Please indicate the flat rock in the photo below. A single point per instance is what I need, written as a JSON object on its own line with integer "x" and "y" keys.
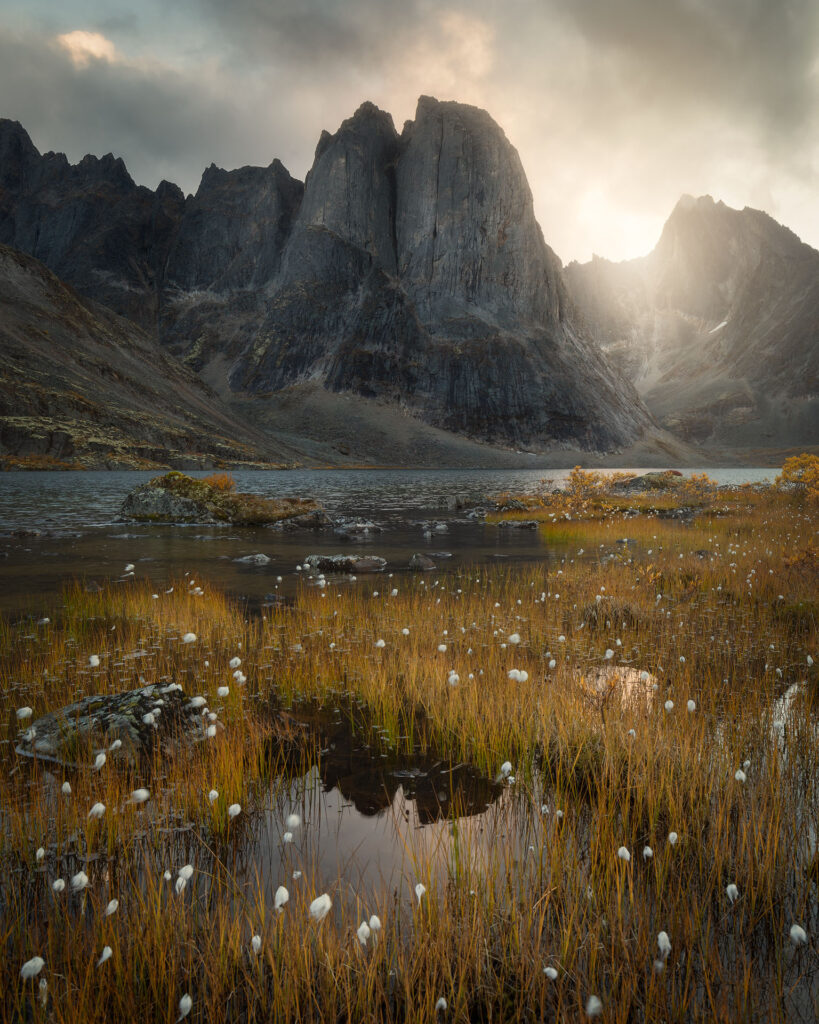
{"x": 518, "y": 524}
{"x": 94, "y": 723}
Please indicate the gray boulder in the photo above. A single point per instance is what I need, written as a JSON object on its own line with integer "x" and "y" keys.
{"x": 138, "y": 719}
{"x": 151, "y": 503}
{"x": 421, "y": 562}
{"x": 345, "y": 563}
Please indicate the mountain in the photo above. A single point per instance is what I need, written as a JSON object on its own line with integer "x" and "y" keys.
{"x": 407, "y": 273}
{"x": 82, "y": 386}
{"x": 718, "y": 327}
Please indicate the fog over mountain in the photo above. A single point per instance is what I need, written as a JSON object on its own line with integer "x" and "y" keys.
{"x": 718, "y": 327}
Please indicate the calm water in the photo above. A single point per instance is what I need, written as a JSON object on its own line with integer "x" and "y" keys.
{"x": 79, "y": 535}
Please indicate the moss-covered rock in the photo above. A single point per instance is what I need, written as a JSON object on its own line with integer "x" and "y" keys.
{"x": 177, "y": 498}
{"x": 137, "y": 719}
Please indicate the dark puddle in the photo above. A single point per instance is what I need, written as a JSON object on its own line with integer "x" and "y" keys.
{"x": 372, "y": 821}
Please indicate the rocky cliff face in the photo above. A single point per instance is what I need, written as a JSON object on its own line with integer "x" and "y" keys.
{"x": 718, "y": 326}
{"x": 407, "y": 269}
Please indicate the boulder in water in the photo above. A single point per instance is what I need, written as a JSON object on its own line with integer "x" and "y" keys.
{"x": 345, "y": 563}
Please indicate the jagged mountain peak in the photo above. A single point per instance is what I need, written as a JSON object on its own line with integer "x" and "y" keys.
{"x": 406, "y": 268}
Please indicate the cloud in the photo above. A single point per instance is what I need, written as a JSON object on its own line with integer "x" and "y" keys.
{"x": 83, "y": 47}
{"x": 616, "y": 106}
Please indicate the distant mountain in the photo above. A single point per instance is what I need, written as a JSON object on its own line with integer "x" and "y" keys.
{"x": 718, "y": 327}
{"x": 407, "y": 273}
{"x": 83, "y": 386}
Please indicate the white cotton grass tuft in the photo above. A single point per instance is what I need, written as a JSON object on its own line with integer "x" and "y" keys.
{"x": 664, "y": 945}
{"x": 551, "y": 973}
{"x": 420, "y": 889}
{"x": 31, "y": 968}
{"x": 513, "y": 638}
{"x": 139, "y": 796}
{"x": 24, "y": 712}
{"x": 94, "y": 661}
{"x": 223, "y": 691}
{"x": 799, "y": 936}
{"x": 281, "y": 897}
{"x": 293, "y": 821}
{"x": 97, "y": 810}
{"x": 441, "y": 1005}
{"x": 188, "y": 638}
{"x": 363, "y": 933}
{"x": 234, "y": 663}
{"x": 65, "y": 789}
{"x": 320, "y": 907}
{"x": 185, "y": 1004}
{"x": 594, "y": 1006}
{"x": 692, "y": 706}
{"x": 672, "y": 838}
{"x": 375, "y": 924}
{"x": 107, "y": 953}
{"x": 234, "y": 811}
{"x": 256, "y": 944}
{"x": 732, "y": 893}
{"x": 112, "y": 908}
{"x": 648, "y": 853}
{"x": 740, "y": 776}
{"x": 669, "y": 706}
{"x": 79, "y": 881}
{"x": 623, "y": 854}
{"x": 58, "y": 885}
{"x": 213, "y": 796}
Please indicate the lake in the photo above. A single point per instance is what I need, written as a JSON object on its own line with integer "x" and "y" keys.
{"x": 78, "y": 535}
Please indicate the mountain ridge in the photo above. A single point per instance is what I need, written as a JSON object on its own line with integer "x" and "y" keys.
{"x": 406, "y": 268}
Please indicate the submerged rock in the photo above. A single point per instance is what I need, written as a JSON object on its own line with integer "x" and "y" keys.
{"x": 345, "y": 563}
{"x": 421, "y": 562}
{"x": 138, "y": 719}
{"x": 258, "y": 559}
{"x": 518, "y": 524}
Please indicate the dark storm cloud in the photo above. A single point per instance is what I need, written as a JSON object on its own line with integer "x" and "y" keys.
{"x": 148, "y": 115}
{"x": 616, "y": 106}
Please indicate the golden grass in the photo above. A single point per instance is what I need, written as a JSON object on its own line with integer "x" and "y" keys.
{"x": 729, "y": 627}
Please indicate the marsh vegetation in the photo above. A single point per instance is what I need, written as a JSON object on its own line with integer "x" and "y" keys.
{"x": 618, "y": 756}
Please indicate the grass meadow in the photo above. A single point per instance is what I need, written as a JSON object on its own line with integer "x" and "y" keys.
{"x": 652, "y": 856}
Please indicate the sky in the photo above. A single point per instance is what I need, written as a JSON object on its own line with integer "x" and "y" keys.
{"x": 617, "y": 107}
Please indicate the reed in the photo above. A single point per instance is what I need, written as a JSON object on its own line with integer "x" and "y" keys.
{"x": 719, "y": 607}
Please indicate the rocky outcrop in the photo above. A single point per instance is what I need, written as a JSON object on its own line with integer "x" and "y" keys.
{"x": 177, "y": 498}
{"x": 124, "y": 726}
{"x": 718, "y": 327}
{"x": 408, "y": 269}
